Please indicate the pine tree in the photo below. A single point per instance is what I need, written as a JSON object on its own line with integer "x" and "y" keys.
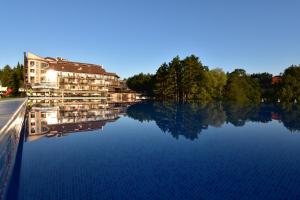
{"x": 161, "y": 82}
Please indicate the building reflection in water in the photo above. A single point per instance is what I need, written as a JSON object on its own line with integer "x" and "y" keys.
{"x": 48, "y": 118}
{"x": 55, "y": 119}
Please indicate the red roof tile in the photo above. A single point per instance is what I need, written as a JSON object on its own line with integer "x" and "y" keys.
{"x": 67, "y": 66}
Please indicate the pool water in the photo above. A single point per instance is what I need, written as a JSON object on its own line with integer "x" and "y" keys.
{"x": 154, "y": 150}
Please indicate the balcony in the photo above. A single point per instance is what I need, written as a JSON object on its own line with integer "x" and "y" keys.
{"x": 44, "y": 86}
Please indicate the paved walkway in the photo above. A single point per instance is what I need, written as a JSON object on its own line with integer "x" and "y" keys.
{"x": 7, "y": 109}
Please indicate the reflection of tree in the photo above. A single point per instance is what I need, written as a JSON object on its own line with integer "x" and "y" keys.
{"x": 215, "y": 115}
{"x": 290, "y": 116}
{"x": 238, "y": 114}
{"x": 142, "y": 111}
{"x": 179, "y": 119}
{"x": 189, "y": 119}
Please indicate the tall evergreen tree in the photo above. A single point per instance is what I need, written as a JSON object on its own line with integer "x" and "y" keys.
{"x": 174, "y": 86}
{"x": 6, "y": 76}
{"x": 160, "y": 88}
{"x": 193, "y": 74}
{"x": 15, "y": 83}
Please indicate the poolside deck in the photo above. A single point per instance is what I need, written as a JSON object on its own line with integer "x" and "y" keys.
{"x": 12, "y": 112}
{"x": 8, "y": 108}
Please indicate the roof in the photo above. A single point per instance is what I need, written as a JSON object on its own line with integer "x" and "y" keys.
{"x": 112, "y": 74}
{"x": 66, "y": 66}
{"x": 76, "y": 67}
{"x": 60, "y": 64}
{"x": 276, "y": 79}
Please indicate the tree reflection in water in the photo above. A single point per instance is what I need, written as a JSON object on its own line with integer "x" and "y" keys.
{"x": 290, "y": 116}
{"x": 189, "y": 119}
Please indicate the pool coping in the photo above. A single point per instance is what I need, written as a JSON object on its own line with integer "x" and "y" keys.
{"x": 12, "y": 117}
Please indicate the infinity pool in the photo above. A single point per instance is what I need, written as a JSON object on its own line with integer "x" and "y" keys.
{"x": 153, "y": 150}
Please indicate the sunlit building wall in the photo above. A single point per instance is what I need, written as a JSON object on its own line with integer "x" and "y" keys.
{"x": 57, "y": 77}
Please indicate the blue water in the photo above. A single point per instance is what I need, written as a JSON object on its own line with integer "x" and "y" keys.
{"x": 167, "y": 151}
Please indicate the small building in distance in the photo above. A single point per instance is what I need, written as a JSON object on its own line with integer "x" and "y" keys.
{"x": 60, "y": 78}
{"x": 122, "y": 93}
{"x": 2, "y": 89}
{"x": 276, "y": 80}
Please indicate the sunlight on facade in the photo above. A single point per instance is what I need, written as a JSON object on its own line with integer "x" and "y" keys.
{"x": 51, "y": 76}
{"x": 51, "y": 117}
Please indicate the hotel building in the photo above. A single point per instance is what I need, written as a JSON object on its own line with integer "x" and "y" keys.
{"x": 60, "y": 78}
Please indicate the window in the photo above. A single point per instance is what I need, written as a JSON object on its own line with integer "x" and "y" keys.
{"x": 31, "y": 63}
{"x": 44, "y": 64}
{"x": 31, "y": 70}
{"x": 32, "y": 130}
{"x": 43, "y": 71}
{"x": 32, "y": 123}
{"x": 32, "y": 79}
{"x": 43, "y": 115}
{"x": 32, "y": 115}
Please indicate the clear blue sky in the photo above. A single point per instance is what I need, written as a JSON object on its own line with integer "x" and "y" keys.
{"x": 133, "y": 36}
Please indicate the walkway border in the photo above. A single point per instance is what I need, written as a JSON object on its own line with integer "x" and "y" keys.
{"x": 10, "y": 138}
{"x": 13, "y": 117}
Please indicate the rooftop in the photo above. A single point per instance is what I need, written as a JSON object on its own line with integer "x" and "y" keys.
{"x": 60, "y": 64}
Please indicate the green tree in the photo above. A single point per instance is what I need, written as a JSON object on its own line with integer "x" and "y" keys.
{"x": 241, "y": 88}
{"x": 143, "y": 83}
{"x": 6, "y": 76}
{"x": 160, "y": 88}
{"x": 193, "y": 76}
{"x": 265, "y": 83}
{"x": 19, "y": 73}
{"x": 15, "y": 83}
{"x": 289, "y": 88}
{"x": 216, "y": 82}
{"x": 174, "y": 86}
{"x": 12, "y": 77}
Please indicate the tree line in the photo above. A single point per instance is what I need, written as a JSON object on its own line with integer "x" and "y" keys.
{"x": 12, "y": 77}
{"x": 188, "y": 79}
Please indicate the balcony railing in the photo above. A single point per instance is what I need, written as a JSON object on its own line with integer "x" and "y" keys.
{"x": 93, "y": 77}
{"x": 44, "y": 86}
{"x": 63, "y": 82}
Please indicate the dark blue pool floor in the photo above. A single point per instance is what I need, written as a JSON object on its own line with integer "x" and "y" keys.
{"x": 130, "y": 159}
